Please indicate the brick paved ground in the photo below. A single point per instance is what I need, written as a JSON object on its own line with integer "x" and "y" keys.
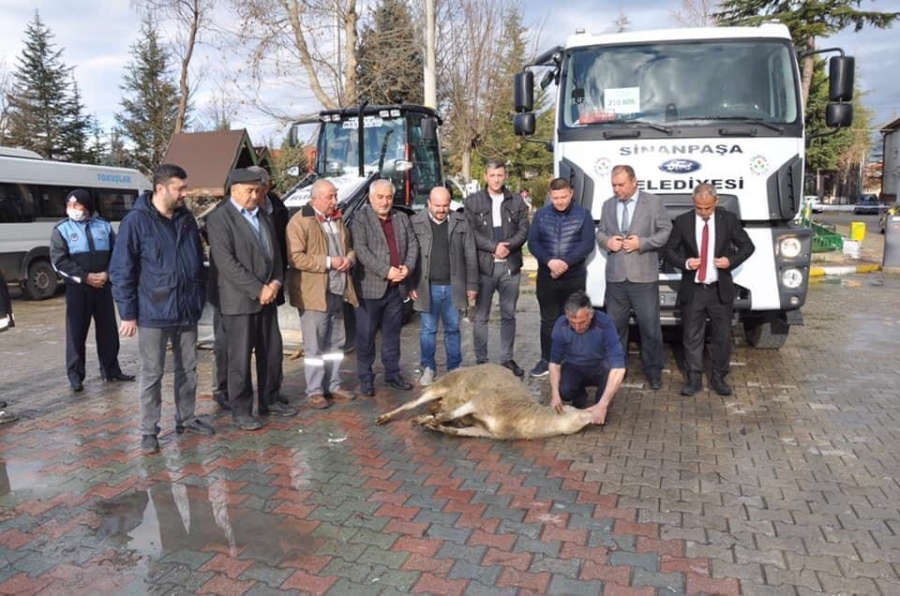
{"x": 787, "y": 487}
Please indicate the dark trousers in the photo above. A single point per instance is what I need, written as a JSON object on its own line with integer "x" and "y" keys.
{"x": 574, "y": 381}
{"x": 643, "y": 299}
{"x": 268, "y": 392}
{"x": 386, "y": 312}
{"x": 244, "y": 334}
{"x": 84, "y": 303}
{"x": 704, "y": 302}
{"x": 551, "y": 296}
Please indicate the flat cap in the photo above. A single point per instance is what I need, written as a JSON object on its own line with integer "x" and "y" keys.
{"x": 245, "y": 176}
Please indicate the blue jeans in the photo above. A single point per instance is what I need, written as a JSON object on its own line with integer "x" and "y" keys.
{"x": 442, "y": 309}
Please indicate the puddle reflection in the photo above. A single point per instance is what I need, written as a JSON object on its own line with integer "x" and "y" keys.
{"x": 171, "y": 517}
{"x": 17, "y": 476}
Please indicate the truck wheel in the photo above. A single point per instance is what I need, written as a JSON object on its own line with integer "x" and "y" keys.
{"x": 766, "y": 335}
{"x": 41, "y": 281}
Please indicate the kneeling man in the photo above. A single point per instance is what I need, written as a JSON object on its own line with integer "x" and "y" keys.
{"x": 585, "y": 352}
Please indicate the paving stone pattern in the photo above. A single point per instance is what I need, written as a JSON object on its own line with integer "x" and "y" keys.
{"x": 786, "y": 487}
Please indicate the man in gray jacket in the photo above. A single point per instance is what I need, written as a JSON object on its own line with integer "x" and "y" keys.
{"x": 446, "y": 278}
{"x": 634, "y": 226}
{"x": 499, "y": 221}
{"x": 386, "y": 254}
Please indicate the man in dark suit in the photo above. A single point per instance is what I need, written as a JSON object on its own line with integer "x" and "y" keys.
{"x": 250, "y": 274}
{"x": 707, "y": 244}
{"x": 386, "y": 254}
{"x": 633, "y": 226}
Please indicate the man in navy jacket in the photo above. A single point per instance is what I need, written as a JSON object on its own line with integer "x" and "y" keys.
{"x": 159, "y": 287}
{"x": 561, "y": 238}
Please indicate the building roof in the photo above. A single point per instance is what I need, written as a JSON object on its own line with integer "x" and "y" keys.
{"x": 891, "y": 126}
{"x": 208, "y": 158}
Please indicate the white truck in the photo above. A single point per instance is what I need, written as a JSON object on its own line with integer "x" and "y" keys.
{"x": 718, "y": 105}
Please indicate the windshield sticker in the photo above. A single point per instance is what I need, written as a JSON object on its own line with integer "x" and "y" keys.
{"x": 622, "y": 100}
{"x": 368, "y": 122}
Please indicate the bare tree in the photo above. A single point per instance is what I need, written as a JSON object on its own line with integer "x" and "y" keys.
{"x": 319, "y": 35}
{"x": 696, "y": 13}
{"x": 473, "y": 63}
{"x": 5, "y": 88}
{"x": 622, "y": 22}
{"x": 191, "y": 18}
{"x": 220, "y": 110}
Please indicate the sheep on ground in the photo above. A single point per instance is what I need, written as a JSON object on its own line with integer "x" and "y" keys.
{"x": 493, "y": 403}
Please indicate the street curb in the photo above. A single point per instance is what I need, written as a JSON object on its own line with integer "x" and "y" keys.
{"x": 843, "y": 270}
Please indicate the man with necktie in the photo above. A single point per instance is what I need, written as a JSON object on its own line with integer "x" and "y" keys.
{"x": 707, "y": 244}
{"x": 634, "y": 225}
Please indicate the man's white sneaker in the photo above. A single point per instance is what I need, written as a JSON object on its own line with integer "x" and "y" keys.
{"x": 427, "y": 377}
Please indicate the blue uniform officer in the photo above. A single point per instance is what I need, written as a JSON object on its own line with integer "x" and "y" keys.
{"x": 80, "y": 248}
{"x": 585, "y": 352}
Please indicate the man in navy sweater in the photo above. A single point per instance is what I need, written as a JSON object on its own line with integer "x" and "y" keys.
{"x": 586, "y": 353}
{"x": 561, "y": 238}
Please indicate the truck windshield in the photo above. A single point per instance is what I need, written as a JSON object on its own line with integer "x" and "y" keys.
{"x": 680, "y": 83}
{"x": 394, "y": 148}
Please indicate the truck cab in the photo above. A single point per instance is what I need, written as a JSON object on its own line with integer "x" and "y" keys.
{"x": 716, "y": 105}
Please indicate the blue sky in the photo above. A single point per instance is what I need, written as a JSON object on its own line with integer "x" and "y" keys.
{"x": 96, "y": 39}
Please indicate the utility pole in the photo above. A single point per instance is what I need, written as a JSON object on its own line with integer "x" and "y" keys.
{"x": 430, "y": 62}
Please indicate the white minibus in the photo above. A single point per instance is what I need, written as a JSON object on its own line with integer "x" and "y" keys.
{"x": 32, "y": 195}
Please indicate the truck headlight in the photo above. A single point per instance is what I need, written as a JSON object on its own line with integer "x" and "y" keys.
{"x": 792, "y": 278}
{"x": 790, "y": 247}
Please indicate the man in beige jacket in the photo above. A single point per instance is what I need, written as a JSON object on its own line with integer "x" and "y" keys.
{"x": 320, "y": 258}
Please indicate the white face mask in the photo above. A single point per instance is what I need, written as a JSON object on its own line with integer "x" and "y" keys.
{"x": 76, "y": 214}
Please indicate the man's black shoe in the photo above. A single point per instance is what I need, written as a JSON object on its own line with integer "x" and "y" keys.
{"x": 399, "y": 383}
{"x": 656, "y": 384}
{"x": 367, "y": 388}
{"x": 247, "y": 423}
{"x": 197, "y": 426}
{"x": 511, "y": 365}
{"x": 149, "y": 445}
{"x": 77, "y": 386}
{"x": 282, "y": 400}
{"x": 692, "y": 386}
{"x": 278, "y": 409}
{"x": 719, "y": 386}
{"x": 120, "y": 376}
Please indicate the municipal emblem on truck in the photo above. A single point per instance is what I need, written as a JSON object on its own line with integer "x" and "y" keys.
{"x": 679, "y": 166}
{"x": 603, "y": 166}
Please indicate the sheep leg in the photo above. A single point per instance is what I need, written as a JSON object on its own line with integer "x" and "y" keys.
{"x": 463, "y": 410}
{"x": 465, "y": 431}
{"x": 427, "y": 396}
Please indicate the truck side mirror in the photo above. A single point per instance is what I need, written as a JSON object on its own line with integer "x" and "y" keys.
{"x": 523, "y": 91}
{"x": 839, "y": 115}
{"x": 429, "y": 129}
{"x": 524, "y": 124}
{"x": 840, "y": 78}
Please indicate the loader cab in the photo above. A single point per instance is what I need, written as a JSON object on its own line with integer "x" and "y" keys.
{"x": 398, "y": 142}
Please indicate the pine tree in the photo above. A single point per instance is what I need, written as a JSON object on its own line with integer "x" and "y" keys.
{"x": 150, "y": 106}
{"x": 77, "y": 130}
{"x": 390, "y": 57}
{"x": 40, "y": 105}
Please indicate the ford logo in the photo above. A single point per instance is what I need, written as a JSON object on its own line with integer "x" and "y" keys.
{"x": 679, "y": 166}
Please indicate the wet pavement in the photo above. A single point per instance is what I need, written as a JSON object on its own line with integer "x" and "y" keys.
{"x": 787, "y": 487}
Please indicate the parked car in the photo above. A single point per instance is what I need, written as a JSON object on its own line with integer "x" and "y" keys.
{"x": 815, "y": 203}
{"x": 867, "y": 205}
{"x": 891, "y": 211}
